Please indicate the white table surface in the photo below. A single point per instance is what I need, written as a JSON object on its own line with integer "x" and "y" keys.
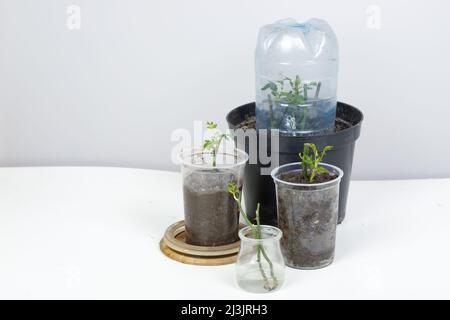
{"x": 85, "y": 232}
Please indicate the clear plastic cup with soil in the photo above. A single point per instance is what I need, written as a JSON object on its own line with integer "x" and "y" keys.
{"x": 210, "y": 212}
{"x": 307, "y": 201}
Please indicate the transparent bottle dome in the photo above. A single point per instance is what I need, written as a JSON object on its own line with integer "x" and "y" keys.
{"x": 296, "y": 77}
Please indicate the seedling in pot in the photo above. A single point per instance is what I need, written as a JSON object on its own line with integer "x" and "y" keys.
{"x": 311, "y": 160}
{"x": 270, "y": 281}
{"x": 307, "y": 207}
{"x": 213, "y": 143}
{"x": 295, "y": 94}
{"x": 211, "y": 214}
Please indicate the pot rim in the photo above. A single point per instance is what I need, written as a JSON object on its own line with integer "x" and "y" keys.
{"x": 350, "y": 129}
{"x": 193, "y": 151}
{"x": 277, "y": 236}
{"x": 275, "y": 171}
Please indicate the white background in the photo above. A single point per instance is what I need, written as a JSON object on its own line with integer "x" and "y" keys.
{"x": 112, "y": 92}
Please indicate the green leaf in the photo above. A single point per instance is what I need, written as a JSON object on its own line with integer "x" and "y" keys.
{"x": 307, "y": 158}
{"x": 324, "y": 151}
{"x": 291, "y": 83}
{"x": 233, "y": 189}
{"x": 316, "y": 152}
{"x": 313, "y": 174}
{"x": 270, "y": 85}
{"x": 207, "y": 144}
{"x": 322, "y": 170}
{"x": 211, "y": 125}
{"x": 311, "y": 159}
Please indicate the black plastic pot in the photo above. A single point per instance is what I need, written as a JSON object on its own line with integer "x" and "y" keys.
{"x": 261, "y": 189}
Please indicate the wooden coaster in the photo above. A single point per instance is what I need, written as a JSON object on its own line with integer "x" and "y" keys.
{"x": 174, "y": 246}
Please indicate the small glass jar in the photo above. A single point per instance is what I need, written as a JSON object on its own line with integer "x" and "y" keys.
{"x": 260, "y": 264}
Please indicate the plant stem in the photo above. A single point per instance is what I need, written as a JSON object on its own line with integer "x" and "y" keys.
{"x": 256, "y": 231}
{"x": 316, "y": 95}
{"x": 216, "y": 150}
{"x": 303, "y": 121}
{"x": 244, "y": 215}
{"x": 311, "y": 179}
{"x": 214, "y": 158}
{"x": 263, "y": 252}
{"x": 257, "y": 235}
{"x": 271, "y": 283}
{"x": 304, "y": 164}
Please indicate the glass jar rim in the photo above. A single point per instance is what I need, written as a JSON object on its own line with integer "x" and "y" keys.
{"x": 275, "y": 172}
{"x": 276, "y": 236}
{"x": 237, "y": 153}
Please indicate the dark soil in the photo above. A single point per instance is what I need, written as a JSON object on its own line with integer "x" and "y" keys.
{"x": 210, "y": 212}
{"x": 308, "y": 221}
{"x": 250, "y": 123}
{"x": 212, "y": 219}
{"x": 295, "y": 177}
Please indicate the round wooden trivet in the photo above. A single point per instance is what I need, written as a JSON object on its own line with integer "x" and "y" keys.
{"x": 174, "y": 246}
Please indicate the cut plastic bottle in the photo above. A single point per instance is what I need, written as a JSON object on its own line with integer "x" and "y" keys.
{"x": 296, "y": 77}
